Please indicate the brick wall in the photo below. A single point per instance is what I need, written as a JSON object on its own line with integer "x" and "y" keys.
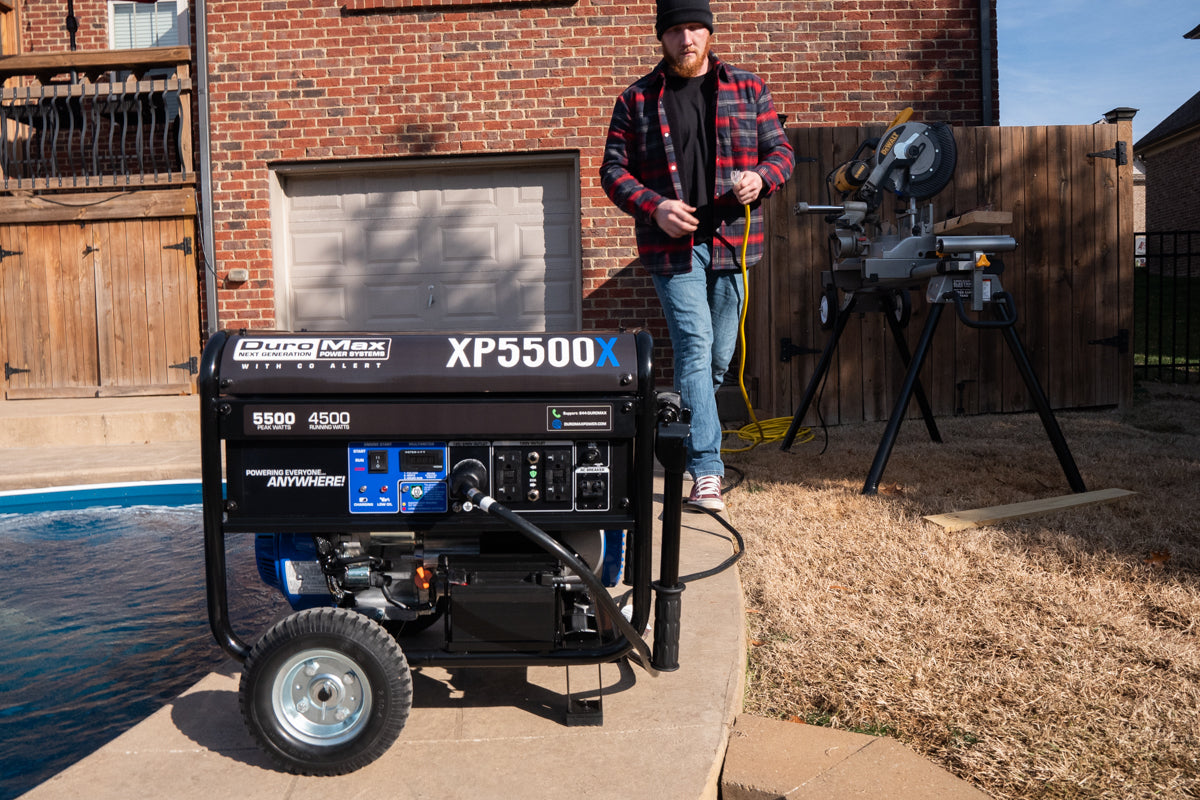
{"x": 44, "y": 30}
{"x": 1173, "y": 187}
{"x": 297, "y": 80}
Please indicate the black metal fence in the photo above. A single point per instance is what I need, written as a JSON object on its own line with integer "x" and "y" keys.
{"x": 1166, "y": 331}
{"x": 83, "y": 135}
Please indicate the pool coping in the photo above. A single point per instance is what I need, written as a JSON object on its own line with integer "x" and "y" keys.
{"x": 181, "y": 492}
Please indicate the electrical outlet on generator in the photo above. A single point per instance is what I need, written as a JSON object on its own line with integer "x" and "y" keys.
{"x": 592, "y": 484}
{"x": 539, "y": 476}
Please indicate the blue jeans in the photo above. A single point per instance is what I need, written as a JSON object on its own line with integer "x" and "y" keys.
{"x": 702, "y": 309}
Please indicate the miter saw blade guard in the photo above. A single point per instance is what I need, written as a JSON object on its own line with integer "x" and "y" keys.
{"x": 912, "y": 160}
{"x": 934, "y": 157}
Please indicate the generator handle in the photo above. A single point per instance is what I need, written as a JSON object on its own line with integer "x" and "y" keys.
{"x": 215, "y": 573}
{"x": 671, "y": 448}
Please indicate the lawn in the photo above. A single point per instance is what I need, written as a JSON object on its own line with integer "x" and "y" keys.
{"x": 1050, "y": 657}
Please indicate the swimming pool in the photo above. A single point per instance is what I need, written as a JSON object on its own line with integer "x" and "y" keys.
{"x": 103, "y": 617}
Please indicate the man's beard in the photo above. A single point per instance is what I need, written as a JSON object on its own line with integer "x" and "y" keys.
{"x": 687, "y": 66}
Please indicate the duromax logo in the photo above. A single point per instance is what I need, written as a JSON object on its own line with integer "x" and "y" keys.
{"x": 311, "y": 349}
{"x": 474, "y": 352}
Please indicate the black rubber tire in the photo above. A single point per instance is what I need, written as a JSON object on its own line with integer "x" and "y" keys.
{"x": 900, "y": 306}
{"x": 827, "y": 308}
{"x": 309, "y": 668}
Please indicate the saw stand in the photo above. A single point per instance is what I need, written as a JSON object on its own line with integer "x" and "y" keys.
{"x": 939, "y": 295}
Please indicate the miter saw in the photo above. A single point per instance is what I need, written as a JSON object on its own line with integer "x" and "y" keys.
{"x": 875, "y": 265}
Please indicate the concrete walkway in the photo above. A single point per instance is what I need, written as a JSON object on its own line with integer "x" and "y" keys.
{"x": 473, "y": 733}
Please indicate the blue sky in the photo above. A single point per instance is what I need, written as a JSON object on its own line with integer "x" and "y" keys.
{"x": 1066, "y": 62}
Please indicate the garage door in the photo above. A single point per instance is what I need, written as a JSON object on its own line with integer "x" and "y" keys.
{"x": 447, "y": 246}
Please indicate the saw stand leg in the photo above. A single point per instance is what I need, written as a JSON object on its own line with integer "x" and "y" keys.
{"x": 1005, "y": 320}
{"x": 901, "y": 407}
{"x": 823, "y": 364}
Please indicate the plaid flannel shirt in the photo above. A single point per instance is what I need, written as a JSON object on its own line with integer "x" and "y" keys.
{"x": 639, "y": 170}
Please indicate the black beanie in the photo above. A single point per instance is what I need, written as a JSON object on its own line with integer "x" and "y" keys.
{"x": 677, "y": 12}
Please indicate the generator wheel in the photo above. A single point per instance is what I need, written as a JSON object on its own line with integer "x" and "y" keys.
{"x": 325, "y": 691}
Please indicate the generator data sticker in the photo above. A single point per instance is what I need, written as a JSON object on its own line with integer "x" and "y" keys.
{"x": 315, "y": 348}
{"x": 579, "y": 418}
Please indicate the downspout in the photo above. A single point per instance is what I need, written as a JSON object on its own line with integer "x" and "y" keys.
{"x": 206, "y": 201}
{"x": 985, "y": 61}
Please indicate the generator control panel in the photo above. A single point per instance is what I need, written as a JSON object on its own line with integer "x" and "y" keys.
{"x": 536, "y": 476}
{"x": 405, "y": 478}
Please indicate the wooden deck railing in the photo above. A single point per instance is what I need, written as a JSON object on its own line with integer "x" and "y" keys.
{"x": 79, "y": 120}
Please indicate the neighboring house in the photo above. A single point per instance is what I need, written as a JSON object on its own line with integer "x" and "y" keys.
{"x": 1171, "y": 154}
{"x": 407, "y": 165}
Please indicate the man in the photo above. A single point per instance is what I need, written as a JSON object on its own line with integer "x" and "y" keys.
{"x": 689, "y": 146}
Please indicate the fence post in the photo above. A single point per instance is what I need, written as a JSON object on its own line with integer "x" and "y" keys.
{"x": 1125, "y": 256}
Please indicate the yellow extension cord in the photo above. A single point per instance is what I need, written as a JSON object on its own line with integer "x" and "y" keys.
{"x": 772, "y": 430}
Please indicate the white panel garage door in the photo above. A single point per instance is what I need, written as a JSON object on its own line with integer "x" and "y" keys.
{"x": 452, "y": 246}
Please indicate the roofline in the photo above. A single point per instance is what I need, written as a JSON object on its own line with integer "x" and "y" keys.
{"x": 1166, "y": 142}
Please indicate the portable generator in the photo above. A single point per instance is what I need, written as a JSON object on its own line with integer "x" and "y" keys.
{"x": 433, "y": 499}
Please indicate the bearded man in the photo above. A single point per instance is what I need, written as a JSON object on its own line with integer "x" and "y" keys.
{"x": 690, "y": 145}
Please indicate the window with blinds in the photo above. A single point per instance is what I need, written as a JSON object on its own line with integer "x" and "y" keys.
{"x": 135, "y": 25}
{"x": 161, "y": 24}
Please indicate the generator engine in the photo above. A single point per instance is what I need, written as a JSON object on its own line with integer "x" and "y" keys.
{"x": 405, "y": 580}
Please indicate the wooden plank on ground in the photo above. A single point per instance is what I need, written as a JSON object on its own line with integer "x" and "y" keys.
{"x": 961, "y": 520}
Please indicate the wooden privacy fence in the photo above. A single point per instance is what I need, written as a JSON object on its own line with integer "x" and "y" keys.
{"x": 1071, "y": 277}
{"x": 98, "y": 295}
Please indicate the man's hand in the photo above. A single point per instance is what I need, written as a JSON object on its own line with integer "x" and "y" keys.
{"x": 748, "y": 187}
{"x": 675, "y": 218}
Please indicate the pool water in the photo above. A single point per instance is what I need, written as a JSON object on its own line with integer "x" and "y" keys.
{"x": 102, "y": 621}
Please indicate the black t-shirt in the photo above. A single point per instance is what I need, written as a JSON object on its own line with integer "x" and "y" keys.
{"x": 690, "y": 104}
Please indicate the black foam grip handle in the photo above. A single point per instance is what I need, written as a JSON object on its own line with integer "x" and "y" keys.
{"x": 667, "y": 610}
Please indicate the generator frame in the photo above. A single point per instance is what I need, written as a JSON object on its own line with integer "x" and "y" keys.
{"x": 323, "y": 400}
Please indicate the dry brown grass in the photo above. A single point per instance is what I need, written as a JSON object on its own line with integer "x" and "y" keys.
{"x": 1048, "y": 657}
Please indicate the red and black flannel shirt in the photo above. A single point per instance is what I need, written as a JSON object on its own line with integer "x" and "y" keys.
{"x": 639, "y": 170}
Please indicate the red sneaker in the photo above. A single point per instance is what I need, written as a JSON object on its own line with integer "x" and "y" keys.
{"x": 706, "y": 493}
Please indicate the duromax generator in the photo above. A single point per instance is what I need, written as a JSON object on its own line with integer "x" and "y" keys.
{"x": 422, "y": 499}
